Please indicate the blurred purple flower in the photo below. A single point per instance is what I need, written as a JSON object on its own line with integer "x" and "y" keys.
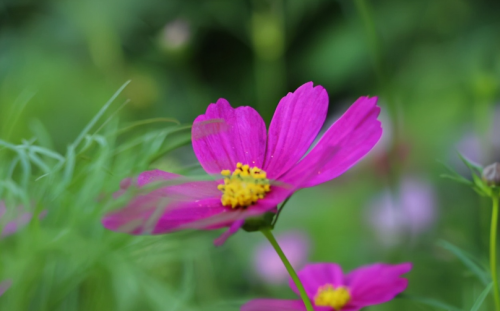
{"x": 330, "y": 290}
{"x": 410, "y": 212}
{"x": 11, "y": 226}
{"x": 479, "y": 151}
{"x": 253, "y": 170}
{"x": 495, "y": 133}
{"x": 4, "y": 286}
{"x": 470, "y": 147}
{"x": 269, "y": 266}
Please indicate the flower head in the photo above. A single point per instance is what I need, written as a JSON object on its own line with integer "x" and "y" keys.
{"x": 491, "y": 174}
{"x": 269, "y": 266}
{"x": 253, "y": 171}
{"x": 330, "y": 290}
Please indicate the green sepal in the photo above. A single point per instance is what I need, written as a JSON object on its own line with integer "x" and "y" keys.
{"x": 477, "y": 183}
{"x": 257, "y": 223}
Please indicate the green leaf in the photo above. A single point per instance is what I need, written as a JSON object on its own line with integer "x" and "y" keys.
{"x": 454, "y": 175}
{"x": 467, "y": 260}
{"x": 458, "y": 178}
{"x": 481, "y": 298}
{"x": 471, "y": 165}
{"x": 430, "y": 302}
{"x": 70, "y": 165}
{"x": 144, "y": 122}
{"x": 96, "y": 118}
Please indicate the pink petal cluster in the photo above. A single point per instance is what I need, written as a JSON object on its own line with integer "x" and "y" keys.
{"x": 268, "y": 264}
{"x": 368, "y": 285}
{"x": 12, "y": 226}
{"x": 225, "y": 136}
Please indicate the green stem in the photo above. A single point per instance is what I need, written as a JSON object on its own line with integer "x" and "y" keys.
{"x": 289, "y": 268}
{"x": 493, "y": 251}
{"x": 279, "y": 212}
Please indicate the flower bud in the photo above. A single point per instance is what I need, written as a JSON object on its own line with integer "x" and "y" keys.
{"x": 491, "y": 174}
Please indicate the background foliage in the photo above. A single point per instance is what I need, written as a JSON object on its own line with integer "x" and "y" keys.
{"x": 433, "y": 63}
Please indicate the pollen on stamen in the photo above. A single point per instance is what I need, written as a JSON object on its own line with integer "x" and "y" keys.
{"x": 334, "y": 297}
{"x": 244, "y": 186}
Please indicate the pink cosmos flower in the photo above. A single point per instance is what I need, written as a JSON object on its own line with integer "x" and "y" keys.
{"x": 330, "y": 290}
{"x": 268, "y": 264}
{"x": 252, "y": 171}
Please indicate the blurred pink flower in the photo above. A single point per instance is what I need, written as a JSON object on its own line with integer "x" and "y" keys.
{"x": 495, "y": 137}
{"x": 268, "y": 264}
{"x": 4, "y": 286}
{"x": 478, "y": 149}
{"x": 254, "y": 171}
{"x": 410, "y": 212}
{"x": 330, "y": 290}
{"x": 470, "y": 147}
{"x": 11, "y": 226}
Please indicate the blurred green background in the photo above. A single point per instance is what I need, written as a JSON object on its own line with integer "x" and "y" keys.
{"x": 435, "y": 65}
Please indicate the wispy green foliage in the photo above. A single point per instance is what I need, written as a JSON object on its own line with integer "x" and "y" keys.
{"x": 66, "y": 260}
{"x": 435, "y": 304}
{"x": 469, "y": 261}
{"x": 480, "y": 299}
{"x": 477, "y": 183}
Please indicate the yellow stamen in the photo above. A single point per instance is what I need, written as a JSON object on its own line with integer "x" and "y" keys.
{"x": 244, "y": 186}
{"x": 330, "y": 296}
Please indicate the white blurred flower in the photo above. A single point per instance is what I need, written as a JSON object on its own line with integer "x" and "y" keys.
{"x": 176, "y": 34}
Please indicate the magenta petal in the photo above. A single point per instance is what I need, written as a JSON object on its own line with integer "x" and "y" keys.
{"x": 174, "y": 206}
{"x": 316, "y": 275}
{"x": 177, "y": 187}
{"x": 229, "y": 232}
{"x": 148, "y": 177}
{"x": 229, "y": 216}
{"x": 191, "y": 215}
{"x": 224, "y": 136}
{"x": 273, "y": 305}
{"x": 376, "y": 283}
{"x": 295, "y": 124}
{"x": 279, "y": 192}
{"x": 181, "y": 204}
{"x": 154, "y": 213}
{"x": 354, "y": 135}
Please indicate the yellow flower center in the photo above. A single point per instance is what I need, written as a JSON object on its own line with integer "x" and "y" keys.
{"x": 244, "y": 186}
{"x": 330, "y": 296}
